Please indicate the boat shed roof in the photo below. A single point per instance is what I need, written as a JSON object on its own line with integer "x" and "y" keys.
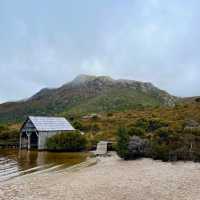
{"x": 51, "y": 123}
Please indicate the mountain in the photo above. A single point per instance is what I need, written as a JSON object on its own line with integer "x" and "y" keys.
{"x": 191, "y": 99}
{"x": 86, "y": 94}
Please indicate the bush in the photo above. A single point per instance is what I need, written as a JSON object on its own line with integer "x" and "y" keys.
{"x": 197, "y": 100}
{"x": 95, "y": 117}
{"x": 142, "y": 123}
{"x": 122, "y": 143}
{"x": 192, "y": 131}
{"x": 95, "y": 128}
{"x": 164, "y": 144}
{"x": 136, "y": 131}
{"x": 160, "y": 151}
{"x": 154, "y": 138}
{"x": 150, "y": 125}
{"x": 162, "y": 134}
{"x": 8, "y": 135}
{"x": 77, "y": 125}
{"x": 68, "y": 141}
{"x": 3, "y": 128}
{"x": 155, "y": 124}
{"x": 110, "y": 114}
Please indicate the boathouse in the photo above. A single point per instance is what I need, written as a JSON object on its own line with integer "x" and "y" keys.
{"x": 36, "y": 130}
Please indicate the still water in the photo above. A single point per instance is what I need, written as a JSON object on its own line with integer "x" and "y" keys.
{"x": 16, "y": 163}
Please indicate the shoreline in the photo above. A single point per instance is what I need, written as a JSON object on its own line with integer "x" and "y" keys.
{"x": 109, "y": 178}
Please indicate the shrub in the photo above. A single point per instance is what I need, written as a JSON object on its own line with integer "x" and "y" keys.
{"x": 68, "y": 141}
{"x": 167, "y": 145}
{"x": 77, "y": 125}
{"x": 122, "y": 142}
{"x": 95, "y": 128}
{"x": 110, "y": 114}
{"x": 197, "y": 100}
{"x": 8, "y": 134}
{"x": 150, "y": 125}
{"x": 142, "y": 123}
{"x": 3, "y": 128}
{"x": 155, "y": 124}
{"x": 95, "y": 117}
{"x": 192, "y": 131}
{"x": 71, "y": 118}
{"x": 136, "y": 131}
{"x": 162, "y": 134}
{"x": 160, "y": 151}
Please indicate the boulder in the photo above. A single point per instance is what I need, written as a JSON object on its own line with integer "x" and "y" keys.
{"x": 138, "y": 147}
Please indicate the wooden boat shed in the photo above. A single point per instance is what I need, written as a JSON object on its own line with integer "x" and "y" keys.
{"x": 36, "y": 130}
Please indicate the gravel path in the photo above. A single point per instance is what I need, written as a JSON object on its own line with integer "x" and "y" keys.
{"x": 110, "y": 179}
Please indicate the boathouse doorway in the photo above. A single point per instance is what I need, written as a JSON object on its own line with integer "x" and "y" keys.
{"x": 29, "y": 140}
{"x": 24, "y": 140}
{"x": 34, "y": 140}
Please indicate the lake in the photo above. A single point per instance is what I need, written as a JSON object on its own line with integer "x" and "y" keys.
{"x": 16, "y": 163}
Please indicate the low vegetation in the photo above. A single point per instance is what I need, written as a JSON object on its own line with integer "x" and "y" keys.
{"x": 68, "y": 141}
{"x": 122, "y": 143}
{"x": 9, "y": 135}
{"x": 156, "y": 139}
{"x": 166, "y": 133}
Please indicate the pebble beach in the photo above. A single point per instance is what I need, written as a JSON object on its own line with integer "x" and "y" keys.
{"x": 109, "y": 178}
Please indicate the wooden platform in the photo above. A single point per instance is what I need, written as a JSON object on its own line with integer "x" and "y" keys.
{"x": 102, "y": 148}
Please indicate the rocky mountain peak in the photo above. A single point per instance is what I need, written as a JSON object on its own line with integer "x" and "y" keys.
{"x": 84, "y": 78}
{"x": 86, "y": 94}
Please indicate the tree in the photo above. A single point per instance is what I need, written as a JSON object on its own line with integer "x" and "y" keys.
{"x": 122, "y": 142}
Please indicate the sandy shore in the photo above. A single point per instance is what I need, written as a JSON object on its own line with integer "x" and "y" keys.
{"x": 110, "y": 179}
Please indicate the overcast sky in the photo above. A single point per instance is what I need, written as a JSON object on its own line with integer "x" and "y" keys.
{"x": 46, "y": 43}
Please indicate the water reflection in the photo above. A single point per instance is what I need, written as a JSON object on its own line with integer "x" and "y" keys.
{"x": 14, "y": 162}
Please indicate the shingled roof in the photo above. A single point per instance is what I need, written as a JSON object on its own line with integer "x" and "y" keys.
{"x": 51, "y": 123}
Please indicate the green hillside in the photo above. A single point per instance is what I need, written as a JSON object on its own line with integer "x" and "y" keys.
{"x": 115, "y": 100}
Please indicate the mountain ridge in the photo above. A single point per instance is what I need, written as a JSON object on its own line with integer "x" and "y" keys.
{"x": 87, "y": 93}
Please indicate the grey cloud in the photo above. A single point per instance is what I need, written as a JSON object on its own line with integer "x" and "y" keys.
{"x": 148, "y": 40}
